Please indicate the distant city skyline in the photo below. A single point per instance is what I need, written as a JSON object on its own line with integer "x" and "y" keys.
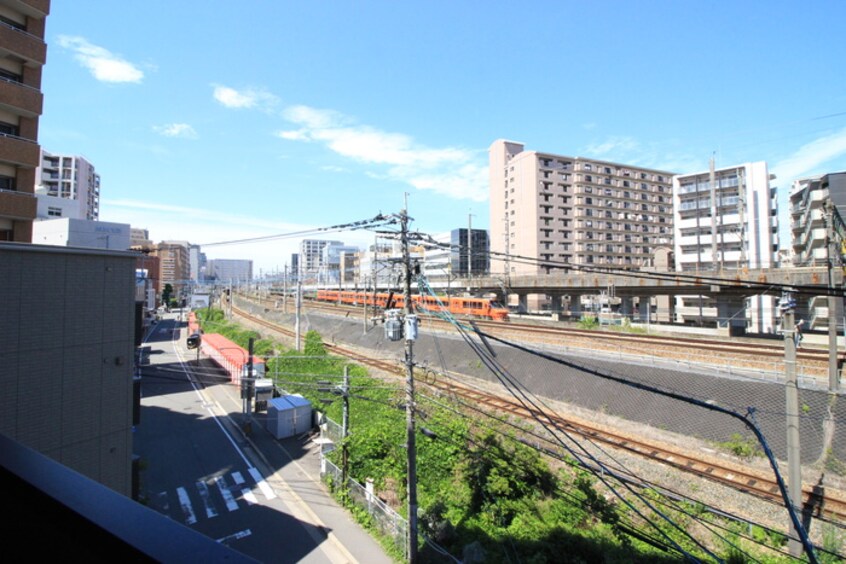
{"x": 310, "y": 115}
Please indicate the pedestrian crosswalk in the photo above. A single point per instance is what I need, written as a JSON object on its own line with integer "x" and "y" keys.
{"x": 206, "y": 499}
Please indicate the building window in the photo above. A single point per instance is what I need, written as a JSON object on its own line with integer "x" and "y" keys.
{"x": 54, "y": 212}
{"x": 7, "y": 183}
{"x": 8, "y": 129}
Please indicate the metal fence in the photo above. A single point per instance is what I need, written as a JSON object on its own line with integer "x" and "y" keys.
{"x": 387, "y": 521}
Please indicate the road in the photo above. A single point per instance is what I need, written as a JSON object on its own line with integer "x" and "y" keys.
{"x": 199, "y": 469}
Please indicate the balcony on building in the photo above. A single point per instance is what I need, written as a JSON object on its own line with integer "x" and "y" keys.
{"x": 18, "y": 151}
{"x": 59, "y": 514}
{"x": 15, "y": 42}
{"x": 19, "y": 98}
{"x": 18, "y": 205}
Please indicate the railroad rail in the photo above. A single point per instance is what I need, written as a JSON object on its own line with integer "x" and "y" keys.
{"x": 759, "y": 355}
{"x": 832, "y": 504}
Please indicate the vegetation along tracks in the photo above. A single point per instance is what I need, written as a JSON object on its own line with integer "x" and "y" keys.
{"x": 831, "y": 504}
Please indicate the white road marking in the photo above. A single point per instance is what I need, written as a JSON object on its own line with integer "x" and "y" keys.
{"x": 235, "y": 536}
{"x": 263, "y": 486}
{"x": 187, "y": 510}
{"x": 248, "y": 494}
{"x": 203, "y": 490}
{"x": 231, "y": 504}
{"x": 163, "y": 503}
{"x": 239, "y": 479}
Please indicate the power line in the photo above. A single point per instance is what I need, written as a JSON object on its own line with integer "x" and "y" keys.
{"x": 378, "y": 221}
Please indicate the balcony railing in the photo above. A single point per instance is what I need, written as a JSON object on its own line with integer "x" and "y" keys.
{"x": 61, "y": 513}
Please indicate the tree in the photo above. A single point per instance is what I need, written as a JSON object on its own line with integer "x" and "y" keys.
{"x": 166, "y": 294}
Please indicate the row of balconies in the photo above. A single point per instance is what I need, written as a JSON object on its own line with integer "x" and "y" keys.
{"x": 807, "y": 198}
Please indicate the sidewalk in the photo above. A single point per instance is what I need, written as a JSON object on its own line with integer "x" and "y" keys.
{"x": 292, "y": 467}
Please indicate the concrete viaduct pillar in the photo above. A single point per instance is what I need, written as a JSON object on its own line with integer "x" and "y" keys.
{"x": 644, "y": 309}
{"x": 626, "y": 306}
{"x": 731, "y": 314}
{"x": 575, "y": 307}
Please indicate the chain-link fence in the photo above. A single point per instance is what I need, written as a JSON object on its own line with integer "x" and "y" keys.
{"x": 689, "y": 406}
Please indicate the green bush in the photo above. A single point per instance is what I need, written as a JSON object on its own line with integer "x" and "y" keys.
{"x": 588, "y": 322}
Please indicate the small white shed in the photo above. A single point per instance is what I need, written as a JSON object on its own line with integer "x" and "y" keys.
{"x": 288, "y": 416}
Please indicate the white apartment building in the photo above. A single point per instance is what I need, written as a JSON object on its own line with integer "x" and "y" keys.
{"x": 67, "y": 186}
{"x": 310, "y": 260}
{"x": 334, "y": 263}
{"x": 229, "y": 271}
{"x": 725, "y": 220}
{"x": 817, "y": 231}
{"x": 197, "y": 261}
{"x": 573, "y": 210}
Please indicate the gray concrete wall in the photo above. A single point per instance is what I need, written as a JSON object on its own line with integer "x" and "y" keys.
{"x": 66, "y": 356}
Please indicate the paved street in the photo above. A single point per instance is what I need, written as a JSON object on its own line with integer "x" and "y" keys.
{"x": 256, "y": 494}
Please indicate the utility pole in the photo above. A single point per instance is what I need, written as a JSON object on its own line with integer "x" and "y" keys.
{"x": 285, "y": 290}
{"x": 364, "y": 301}
{"x": 831, "y": 251}
{"x": 714, "y": 208}
{"x": 794, "y": 468}
{"x": 409, "y": 396}
{"x": 299, "y": 305}
{"x": 345, "y": 427}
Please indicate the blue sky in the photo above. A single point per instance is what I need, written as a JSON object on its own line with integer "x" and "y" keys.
{"x": 211, "y": 120}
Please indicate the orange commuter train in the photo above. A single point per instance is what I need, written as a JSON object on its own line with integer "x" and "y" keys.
{"x": 477, "y": 307}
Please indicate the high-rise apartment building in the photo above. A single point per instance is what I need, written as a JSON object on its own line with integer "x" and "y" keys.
{"x": 809, "y": 226}
{"x": 728, "y": 223}
{"x": 67, "y": 186}
{"x": 230, "y": 271}
{"x": 198, "y": 261}
{"x": 817, "y": 213}
{"x": 23, "y": 53}
{"x": 726, "y": 220}
{"x": 469, "y": 256}
{"x": 174, "y": 265}
{"x": 333, "y": 262}
{"x": 311, "y": 257}
{"x": 573, "y": 210}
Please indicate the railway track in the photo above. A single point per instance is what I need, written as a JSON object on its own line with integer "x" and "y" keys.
{"x": 753, "y": 482}
{"x": 759, "y": 355}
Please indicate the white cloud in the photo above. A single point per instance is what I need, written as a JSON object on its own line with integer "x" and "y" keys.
{"x": 182, "y": 130}
{"x": 808, "y": 159}
{"x": 198, "y": 226}
{"x": 333, "y": 168}
{"x": 298, "y": 135}
{"x": 613, "y": 145}
{"x": 243, "y": 99}
{"x": 659, "y": 156}
{"x": 453, "y": 172}
{"x": 104, "y": 65}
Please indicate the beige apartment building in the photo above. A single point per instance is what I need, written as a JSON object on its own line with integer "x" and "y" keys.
{"x": 174, "y": 265}
{"x": 572, "y": 210}
{"x": 23, "y": 53}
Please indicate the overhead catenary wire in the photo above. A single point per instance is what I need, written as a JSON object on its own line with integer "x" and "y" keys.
{"x": 745, "y": 419}
{"x": 378, "y": 220}
{"x": 521, "y": 395}
{"x": 698, "y": 278}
